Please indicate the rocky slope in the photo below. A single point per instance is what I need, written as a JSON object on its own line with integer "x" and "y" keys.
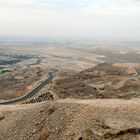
{"x": 72, "y": 119}
{"x": 102, "y": 81}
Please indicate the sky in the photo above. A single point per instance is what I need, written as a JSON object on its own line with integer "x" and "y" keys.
{"x": 77, "y": 19}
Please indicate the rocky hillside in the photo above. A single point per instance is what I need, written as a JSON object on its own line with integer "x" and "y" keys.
{"x": 72, "y": 119}
{"x": 102, "y": 81}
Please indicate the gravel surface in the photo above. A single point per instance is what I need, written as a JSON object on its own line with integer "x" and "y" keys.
{"x": 72, "y": 119}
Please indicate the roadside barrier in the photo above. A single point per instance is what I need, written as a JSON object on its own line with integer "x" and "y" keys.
{"x": 43, "y": 97}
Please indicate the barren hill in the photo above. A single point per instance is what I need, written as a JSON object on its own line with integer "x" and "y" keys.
{"x": 102, "y": 81}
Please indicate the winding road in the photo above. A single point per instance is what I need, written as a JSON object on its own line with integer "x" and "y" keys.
{"x": 31, "y": 93}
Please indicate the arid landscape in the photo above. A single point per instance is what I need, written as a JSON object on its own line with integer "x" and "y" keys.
{"x": 69, "y": 91}
{"x": 69, "y": 69}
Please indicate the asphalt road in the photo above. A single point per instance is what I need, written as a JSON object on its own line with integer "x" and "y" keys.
{"x": 31, "y": 93}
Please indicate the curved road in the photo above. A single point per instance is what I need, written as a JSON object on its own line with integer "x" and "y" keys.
{"x": 31, "y": 93}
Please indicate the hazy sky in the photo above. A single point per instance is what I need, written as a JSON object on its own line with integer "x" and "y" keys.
{"x": 95, "y": 19}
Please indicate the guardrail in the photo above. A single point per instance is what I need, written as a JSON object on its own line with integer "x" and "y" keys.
{"x": 43, "y": 97}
